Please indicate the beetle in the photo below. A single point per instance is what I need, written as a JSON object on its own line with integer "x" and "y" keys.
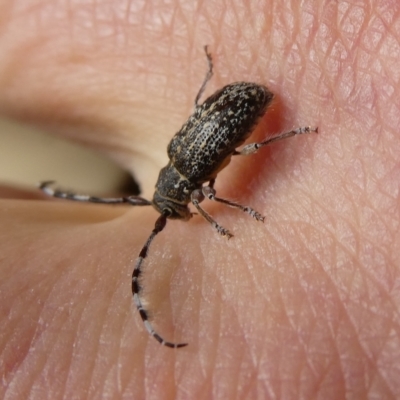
{"x": 197, "y": 153}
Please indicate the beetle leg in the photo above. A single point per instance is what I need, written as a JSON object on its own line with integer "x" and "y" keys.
{"x": 208, "y": 76}
{"x": 209, "y": 192}
{"x": 196, "y": 198}
{"x": 133, "y": 200}
{"x": 254, "y": 147}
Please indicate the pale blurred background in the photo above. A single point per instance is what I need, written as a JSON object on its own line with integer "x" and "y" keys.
{"x": 28, "y": 156}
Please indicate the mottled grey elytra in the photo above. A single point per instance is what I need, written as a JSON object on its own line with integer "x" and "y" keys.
{"x": 197, "y": 153}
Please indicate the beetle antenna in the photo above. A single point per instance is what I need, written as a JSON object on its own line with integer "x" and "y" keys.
{"x": 158, "y": 227}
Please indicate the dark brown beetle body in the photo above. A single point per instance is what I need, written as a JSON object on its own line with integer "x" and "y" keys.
{"x": 207, "y": 141}
{"x": 216, "y": 128}
{"x": 203, "y": 147}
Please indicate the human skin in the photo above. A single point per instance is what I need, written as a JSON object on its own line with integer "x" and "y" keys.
{"x": 305, "y": 305}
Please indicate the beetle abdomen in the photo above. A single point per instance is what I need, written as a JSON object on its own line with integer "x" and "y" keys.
{"x": 216, "y": 128}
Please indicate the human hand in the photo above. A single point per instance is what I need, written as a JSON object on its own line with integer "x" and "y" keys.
{"x": 304, "y": 305}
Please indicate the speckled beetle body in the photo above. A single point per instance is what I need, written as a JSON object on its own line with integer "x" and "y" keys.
{"x": 206, "y": 142}
{"x": 197, "y": 153}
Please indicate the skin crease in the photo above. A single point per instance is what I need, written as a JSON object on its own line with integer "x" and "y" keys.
{"x": 305, "y": 305}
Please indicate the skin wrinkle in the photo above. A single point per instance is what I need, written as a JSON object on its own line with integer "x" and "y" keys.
{"x": 257, "y": 366}
{"x": 114, "y": 371}
{"x": 351, "y": 23}
{"x": 318, "y": 385}
{"x": 249, "y": 268}
{"x": 148, "y": 388}
{"x": 202, "y": 361}
{"x": 75, "y": 345}
{"x": 231, "y": 310}
{"x": 176, "y": 313}
{"x": 222, "y": 288}
{"x": 242, "y": 325}
{"x": 256, "y": 282}
{"x": 382, "y": 348}
{"x": 38, "y": 341}
{"x": 368, "y": 204}
{"x": 247, "y": 385}
{"x": 21, "y": 359}
{"x": 132, "y": 379}
{"x": 337, "y": 357}
{"x": 173, "y": 276}
{"x": 304, "y": 297}
{"x": 382, "y": 378}
{"x": 293, "y": 325}
{"x": 49, "y": 353}
{"x": 360, "y": 343}
{"x": 319, "y": 381}
{"x": 332, "y": 231}
{"x": 326, "y": 209}
{"x": 371, "y": 310}
{"x": 348, "y": 385}
{"x": 202, "y": 299}
{"x": 90, "y": 295}
{"x": 99, "y": 341}
{"x": 306, "y": 361}
{"x": 352, "y": 256}
{"x": 123, "y": 384}
{"x": 338, "y": 297}
{"x": 390, "y": 371}
{"x": 113, "y": 368}
{"x": 35, "y": 339}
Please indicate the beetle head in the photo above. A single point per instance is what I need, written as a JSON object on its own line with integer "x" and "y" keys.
{"x": 171, "y": 209}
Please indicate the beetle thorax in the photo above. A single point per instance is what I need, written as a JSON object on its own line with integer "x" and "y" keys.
{"x": 172, "y": 194}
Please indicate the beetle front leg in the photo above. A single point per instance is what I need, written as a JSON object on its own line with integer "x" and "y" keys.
{"x": 196, "y": 198}
{"x": 209, "y": 192}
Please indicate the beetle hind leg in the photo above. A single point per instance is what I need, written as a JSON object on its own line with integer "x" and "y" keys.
{"x": 254, "y": 147}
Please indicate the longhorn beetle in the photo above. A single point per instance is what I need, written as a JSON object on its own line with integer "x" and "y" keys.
{"x": 197, "y": 153}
